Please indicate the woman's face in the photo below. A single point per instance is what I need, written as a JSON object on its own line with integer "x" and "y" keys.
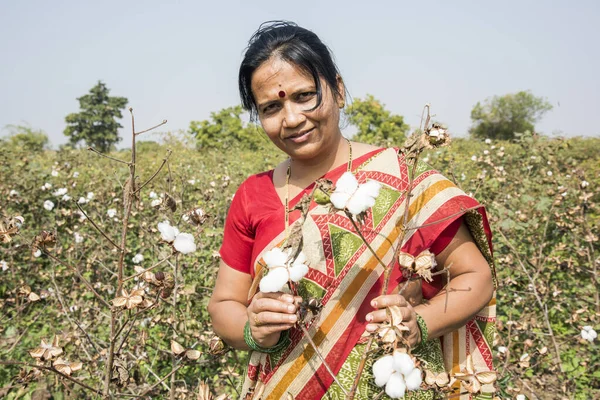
{"x": 283, "y": 95}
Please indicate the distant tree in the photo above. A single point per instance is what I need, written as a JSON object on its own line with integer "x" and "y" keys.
{"x": 96, "y": 123}
{"x": 26, "y": 138}
{"x": 502, "y": 116}
{"x": 375, "y": 124}
{"x": 226, "y": 129}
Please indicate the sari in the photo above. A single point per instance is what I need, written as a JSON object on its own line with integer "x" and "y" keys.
{"x": 345, "y": 276}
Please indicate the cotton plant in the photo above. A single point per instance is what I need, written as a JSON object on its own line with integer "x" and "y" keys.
{"x": 352, "y": 196}
{"x": 182, "y": 242}
{"x": 281, "y": 269}
{"x": 398, "y": 373}
{"x": 138, "y": 258}
{"x": 48, "y": 205}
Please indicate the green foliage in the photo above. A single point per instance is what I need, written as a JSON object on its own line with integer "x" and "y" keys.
{"x": 96, "y": 123}
{"x": 226, "y": 131}
{"x": 26, "y": 138}
{"x": 375, "y": 124}
{"x": 501, "y": 117}
{"x": 533, "y": 189}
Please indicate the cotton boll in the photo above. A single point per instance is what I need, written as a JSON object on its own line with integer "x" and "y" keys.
{"x": 395, "y": 386}
{"x": 403, "y": 363}
{"x": 347, "y": 183}
{"x": 167, "y": 232}
{"x": 297, "y": 272}
{"x": 184, "y": 243}
{"x": 588, "y": 333}
{"x": 339, "y": 200}
{"x": 138, "y": 258}
{"x": 413, "y": 379}
{"x": 274, "y": 281}
{"x": 356, "y": 205}
{"x": 48, "y": 205}
{"x": 383, "y": 369}
{"x": 275, "y": 257}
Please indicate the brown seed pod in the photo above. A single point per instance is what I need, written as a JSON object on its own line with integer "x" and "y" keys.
{"x": 160, "y": 276}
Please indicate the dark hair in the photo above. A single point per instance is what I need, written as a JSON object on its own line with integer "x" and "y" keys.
{"x": 290, "y": 43}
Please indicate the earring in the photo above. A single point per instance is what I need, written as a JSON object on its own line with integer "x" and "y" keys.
{"x": 342, "y": 105}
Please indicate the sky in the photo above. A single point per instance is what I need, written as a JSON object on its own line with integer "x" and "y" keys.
{"x": 178, "y": 60}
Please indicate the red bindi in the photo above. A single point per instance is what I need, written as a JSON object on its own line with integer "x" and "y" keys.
{"x": 281, "y": 94}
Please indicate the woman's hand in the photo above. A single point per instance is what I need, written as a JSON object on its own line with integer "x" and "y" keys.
{"x": 409, "y": 317}
{"x": 269, "y": 314}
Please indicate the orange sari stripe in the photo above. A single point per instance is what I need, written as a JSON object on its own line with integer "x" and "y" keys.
{"x": 427, "y": 195}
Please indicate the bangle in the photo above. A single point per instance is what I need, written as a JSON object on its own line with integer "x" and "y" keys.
{"x": 284, "y": 341}
{"x": 422, "y": 328}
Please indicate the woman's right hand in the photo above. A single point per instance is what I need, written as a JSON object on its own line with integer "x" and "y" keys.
{"x": 269, "y": 314}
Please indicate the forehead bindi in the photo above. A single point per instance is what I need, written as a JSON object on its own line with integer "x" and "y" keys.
{"x": 277, "y": 79}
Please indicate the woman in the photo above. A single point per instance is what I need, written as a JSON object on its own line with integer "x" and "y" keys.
{"x": 289, "y": 81}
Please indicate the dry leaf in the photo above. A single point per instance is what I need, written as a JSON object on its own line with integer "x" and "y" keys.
{"x": 487, "y": 377}
{"x": 47, "y": 351}
{"x": 129, "y": 300}
{"x": 420, "y": 265}
{"x": 66, "y": 367}
{"x": 204, "y": 392}
{"x": 33, "y": 297}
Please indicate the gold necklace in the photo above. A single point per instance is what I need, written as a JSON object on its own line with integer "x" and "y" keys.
{"x": 287, "y": 185}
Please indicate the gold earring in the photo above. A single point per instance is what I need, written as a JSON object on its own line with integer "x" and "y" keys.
{"x": 342, "y": 105}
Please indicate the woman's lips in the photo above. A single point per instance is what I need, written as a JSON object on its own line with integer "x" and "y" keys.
{"x": 302, "y": 137}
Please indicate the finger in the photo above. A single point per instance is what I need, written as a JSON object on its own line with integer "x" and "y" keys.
{"x": 377, "y": 316}
{"x": 389, "y": 300}
{"x": 271, "y": 318}
{"x": 273, "y": 305}
{"x": 287, "y": 298}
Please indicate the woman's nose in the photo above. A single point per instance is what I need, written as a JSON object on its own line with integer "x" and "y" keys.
{"x": 293, "y": 115}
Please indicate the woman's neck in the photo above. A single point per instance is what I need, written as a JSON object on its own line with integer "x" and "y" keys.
{"x": 304, "y": 172}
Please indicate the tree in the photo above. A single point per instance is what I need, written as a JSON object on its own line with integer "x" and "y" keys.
{"x": 375, "y": 124}
{"x": 501, "y": 116}
{"x": 96, "y": 123}
{"x": 26, "y": 138}
{"x": 226, "y": 130}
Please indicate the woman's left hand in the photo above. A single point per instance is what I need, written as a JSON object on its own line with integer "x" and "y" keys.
{"x": 409, "y": 317}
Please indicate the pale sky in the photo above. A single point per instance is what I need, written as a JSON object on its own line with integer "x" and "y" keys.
{"x": 178, "y": 60}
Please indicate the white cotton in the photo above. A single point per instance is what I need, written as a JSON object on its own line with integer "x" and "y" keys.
{"x": 90, "y": 195}
{"x": 13, "y": 193}
{"x": 297, "y": 272}
{"x": 3, "y": 265}
{"x": 78, "y": 237}
{"x": 155, "y": 203}
{"x": 66, "y": 197}
{"x": 588, "y": 333}
{"x": 19, "y": 221}
{"x": 75, "y": 174}
{"x": 355, "y": 198}
{"x": 488, "y": 141}
{"x": 403, "y": 363}
{"x": 167, "y": 232}
{"x": 37, "y": 253}
{"x": 395, "y": 386}
{"x": 521, "y": 397}
{"x": 54, "y": 172}
{"x": 48, "y": 205}
{"x": 275, "y": 257}
{"x": 414, "y": 379}
{"x": 138, "y": 258}
{"x": 81, "y": 200}
{"x": 383, "y": 369}
{"x": 60, "y": 192}
{"x": 153, "y": 195}
{"x": 274, "y": 281}
{"x": 473, "y": 158}
{"x": 111, "y": 212}
{"x": 184, "y": 243}
{"x": 584, "y": 184}
{"x": 502, "y": 349}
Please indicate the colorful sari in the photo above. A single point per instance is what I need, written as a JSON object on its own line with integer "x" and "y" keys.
{"x": 345, "y": 276}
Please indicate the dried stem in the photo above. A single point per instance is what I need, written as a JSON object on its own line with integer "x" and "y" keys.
{"x": 148, "y": 269}
{"x": 160, "y": 381}
{"x": 174, "y": 335}
{"x": 97, "y": 227}
{"x": 357, "y": 229}
{"x": 149, "y": 129}
{"x": 156, "y": 173}
{"x": 77, "y": 381}
{"x": 105, "y": 156}
{"x": 388, "y": 269}
{"x": 85, "y": 281}
{"x": 314, "y": 346}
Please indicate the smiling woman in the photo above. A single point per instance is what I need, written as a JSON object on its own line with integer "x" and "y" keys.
{"x": 329, "y": 266}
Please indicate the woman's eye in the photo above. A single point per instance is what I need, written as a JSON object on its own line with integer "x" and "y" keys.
{"x": 306, "y": 96}
{"x": 270, "y": 108}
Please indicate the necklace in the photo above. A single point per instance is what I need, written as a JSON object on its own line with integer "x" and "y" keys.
{"x": 287, "y": 185}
